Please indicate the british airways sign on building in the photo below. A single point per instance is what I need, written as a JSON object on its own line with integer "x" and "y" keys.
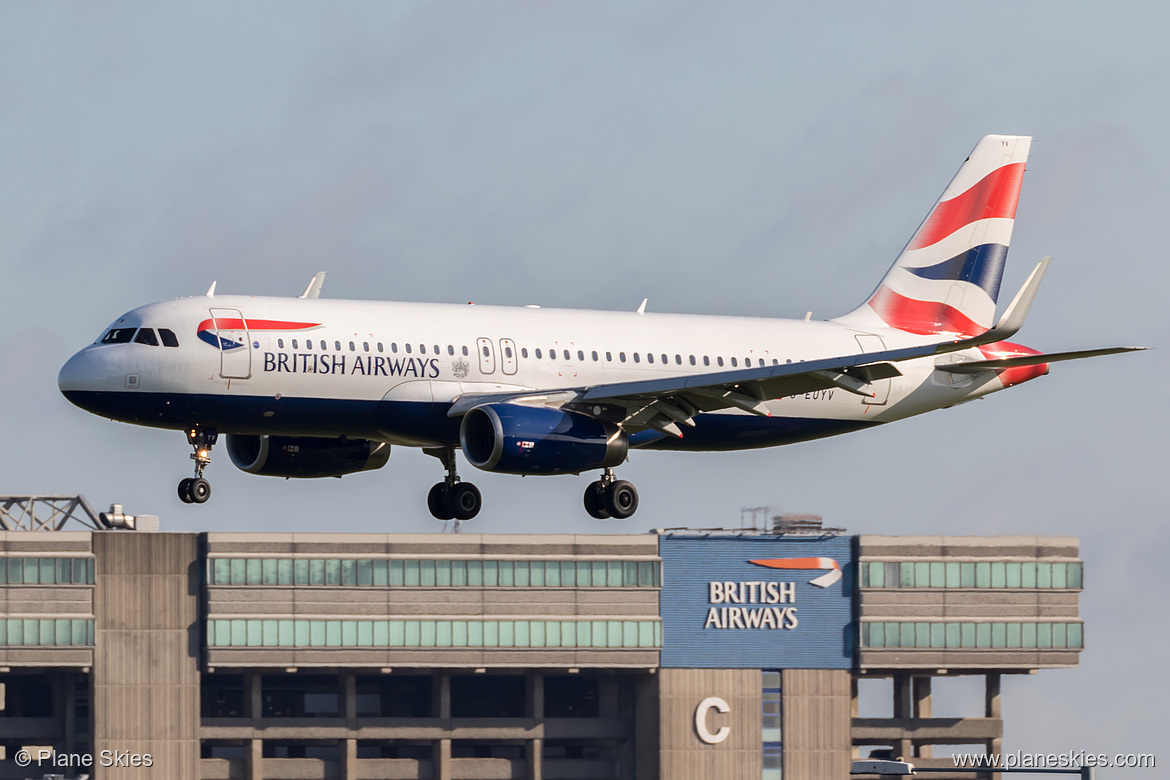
{"x": 765, "y": 602}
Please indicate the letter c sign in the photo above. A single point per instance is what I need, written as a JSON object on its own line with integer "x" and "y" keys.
{"x": 707, "y": 704}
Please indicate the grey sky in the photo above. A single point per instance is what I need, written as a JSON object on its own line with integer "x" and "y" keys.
{"x": 762, "y": 159}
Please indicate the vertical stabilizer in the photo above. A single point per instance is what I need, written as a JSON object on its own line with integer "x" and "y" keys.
{"x": 947, "y": 278}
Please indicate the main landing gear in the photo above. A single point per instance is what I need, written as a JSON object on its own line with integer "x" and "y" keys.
{"x": 610, "y": 497}
{"x": 452, "y": 499}
{"x": 196, "y": 490}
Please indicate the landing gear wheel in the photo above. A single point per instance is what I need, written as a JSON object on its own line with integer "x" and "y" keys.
{"x": 595, "y": 500}
{"x": 438, "y": 504}
{"x": 185, "y": 490}
{"x": 200, "y": 490}
{"x": 464, "y": 500}
{"x": 621, "y": 499}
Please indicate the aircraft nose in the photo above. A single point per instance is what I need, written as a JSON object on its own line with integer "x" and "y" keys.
{"x": 83, "y": 373}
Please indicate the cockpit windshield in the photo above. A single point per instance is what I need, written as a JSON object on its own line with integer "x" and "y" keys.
{"x": 118, "y": 336}
{"x": 145, "y": 336}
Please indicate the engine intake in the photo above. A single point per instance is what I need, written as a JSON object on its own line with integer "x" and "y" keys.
{"x": 304, "y": 456}
{"x": 516, "y": 439}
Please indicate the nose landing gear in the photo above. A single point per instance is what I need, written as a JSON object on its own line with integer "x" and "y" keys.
{"x": 610, "y": 497}
{"x": 196, "y": 490}
{"x": 452, "y": 498}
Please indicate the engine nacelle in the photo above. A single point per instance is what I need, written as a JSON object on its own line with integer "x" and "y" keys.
{"x": 518, "y": 439}
{"x": 305, "y": 456}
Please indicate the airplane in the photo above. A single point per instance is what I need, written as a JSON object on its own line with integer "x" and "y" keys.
{"x": 313, "y": 387}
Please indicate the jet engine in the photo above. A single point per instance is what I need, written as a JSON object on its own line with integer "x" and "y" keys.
{"x": 304, "y": 456}
{"x": 516, "y": 439}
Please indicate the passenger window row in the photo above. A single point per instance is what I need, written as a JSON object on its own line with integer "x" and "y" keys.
{"x": 141, "y": 336}
{"x": 537, "y": 353}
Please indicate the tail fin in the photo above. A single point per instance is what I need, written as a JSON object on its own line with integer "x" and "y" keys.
{"x": 947, "y": 278}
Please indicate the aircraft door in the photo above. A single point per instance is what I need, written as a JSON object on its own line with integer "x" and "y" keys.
{"x": 881, "y": 387}
{"x": 487, "y": 357}
{"x": 235, "y": 349}
{"x": 508, "y": 356}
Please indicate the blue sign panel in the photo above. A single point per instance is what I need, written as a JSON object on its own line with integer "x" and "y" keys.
{"x": 760, "y": 602}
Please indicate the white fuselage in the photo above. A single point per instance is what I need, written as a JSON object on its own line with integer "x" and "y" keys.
{"x": 390, "y": 371}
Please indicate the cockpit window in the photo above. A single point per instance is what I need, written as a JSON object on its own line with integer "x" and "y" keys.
{"x": 119, "y": 336}
{"x": 146, "y": 336}
{"x": 168, "y": 337}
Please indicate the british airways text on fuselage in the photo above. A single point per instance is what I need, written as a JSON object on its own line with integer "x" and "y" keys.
{"x": 362, "y": 365}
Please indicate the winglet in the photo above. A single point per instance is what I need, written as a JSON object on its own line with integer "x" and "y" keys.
{"x": 211, "y": 290}
{"x": 315, "y": 285}
{"x": 1017, "y": 311}
{"x": 642, "y": 308}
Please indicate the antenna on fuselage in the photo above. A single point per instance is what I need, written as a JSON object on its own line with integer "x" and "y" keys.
{"x": 211, "y": 290}
{"x": 315, "y": 285}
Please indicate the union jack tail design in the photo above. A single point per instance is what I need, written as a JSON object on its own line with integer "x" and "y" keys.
{"x": 947, "y": 278}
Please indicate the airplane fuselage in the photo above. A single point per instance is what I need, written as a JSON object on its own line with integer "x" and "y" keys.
{"x": 391, "y": 371}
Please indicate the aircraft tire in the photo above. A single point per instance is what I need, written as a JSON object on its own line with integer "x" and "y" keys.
{"x": 465, "y": 500}
{"x": 200, "y": 490}
{"x": 595, "y": 501}
{"x": 185, "y": 490}
{"x": 621, "y": 500}
{"x": 438, "y": 503}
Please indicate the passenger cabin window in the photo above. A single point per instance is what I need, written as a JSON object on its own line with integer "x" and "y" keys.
{"x": 351, "y": 347}
{"x": 649, "y": 357}
{"x": 733, "y": 363}
{"x": 407, "y": 348}
{"x": 664, "y": 358}
{"x": 336, "y": 346}
{"x": 719, "y": 360}
{"x": 537, "y": 353}
{"x": 637, "y": 358}
{"x": 119, "y": 336}
{"x": 280, "y": 343}
{"x": 594, "y": 356}
{"x": 465, "y": 352}
{"x": 622, "y": 356}
{"x": 294, "y": 343}
{"x": 437, "y": 352}
{"x": 523, "y": 352}
{"x": 706, "y": 360}
{"x": 580, "y": 354}
{"x": 168, "y": 337}
{"x": 567, "y": 355}
{"x": 379, "y": 346}
{"x": 325, "y": 347}
{"x": 365, "y": 346}
{"x": 394, "y": 347}
{"x": 146, "y": 336}
{"x": 422, "y": 349}
{"x": 608, "y": 357}
{"x": 450, "y": 350}
{"x": 308, "y": 343}
{"x": 692, "y": 360}
{"x": 678, "y": 360}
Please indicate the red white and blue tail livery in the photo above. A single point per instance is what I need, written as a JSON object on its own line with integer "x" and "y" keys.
{"x": 311, "y": 387}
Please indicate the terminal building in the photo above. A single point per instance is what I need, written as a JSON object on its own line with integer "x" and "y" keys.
{"x": 677, "y": 654}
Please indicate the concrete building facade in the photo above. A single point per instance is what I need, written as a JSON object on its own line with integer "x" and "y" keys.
{"x": 676, "y": 655}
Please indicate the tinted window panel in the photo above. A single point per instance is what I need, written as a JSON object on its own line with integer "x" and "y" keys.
{"x": 119, "y": 336}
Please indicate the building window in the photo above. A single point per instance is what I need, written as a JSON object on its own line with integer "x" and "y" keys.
{"x": 996, "y": 635}
{"x": 771, "y": 723}
{"x": 262, "y": 632}
{"x": 1029, "y": 575}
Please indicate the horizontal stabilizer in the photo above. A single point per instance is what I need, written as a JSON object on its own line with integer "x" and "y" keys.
{"x": 975, "y": 366}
